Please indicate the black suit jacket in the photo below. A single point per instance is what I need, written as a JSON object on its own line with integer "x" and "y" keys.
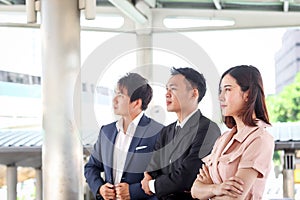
{"x": 177, "y": 158}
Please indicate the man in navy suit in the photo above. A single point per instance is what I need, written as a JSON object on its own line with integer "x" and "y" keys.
{"x": 124, "y": 148}
{"x": 181, "y": 145}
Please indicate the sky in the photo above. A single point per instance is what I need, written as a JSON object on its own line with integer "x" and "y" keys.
{"x": 255, "y": 47}
{"x": 225, "y": 48}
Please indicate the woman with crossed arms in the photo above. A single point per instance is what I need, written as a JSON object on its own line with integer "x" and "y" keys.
{"x": 240, "y": 161}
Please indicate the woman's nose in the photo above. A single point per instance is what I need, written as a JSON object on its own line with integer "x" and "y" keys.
{"x": 221, "y": 96}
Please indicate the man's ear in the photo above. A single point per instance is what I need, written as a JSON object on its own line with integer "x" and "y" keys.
{"x": 195, "y": 93}
{"x": 137, "y": 103}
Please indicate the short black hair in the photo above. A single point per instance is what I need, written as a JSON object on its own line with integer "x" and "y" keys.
{"x": 195, "y": 78}
{"x": 137, "y": 88}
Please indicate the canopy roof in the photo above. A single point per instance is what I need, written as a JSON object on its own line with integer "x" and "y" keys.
{"x": 153, "y": 13}
{"x": 24, "y": 147}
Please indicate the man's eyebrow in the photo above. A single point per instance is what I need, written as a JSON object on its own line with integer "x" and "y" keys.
{"x": 171, "y": 84}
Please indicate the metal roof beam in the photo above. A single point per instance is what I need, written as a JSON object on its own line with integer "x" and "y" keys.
{"x": 243, "y": 19}
{"x": 130, "y": 10}
{"x": 217, "y": 4}
{"x": 6, "y": 2}
{"x": 151, "y": 3}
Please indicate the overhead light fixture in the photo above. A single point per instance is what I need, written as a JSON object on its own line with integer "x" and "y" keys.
{"x": 129, "y": 10}
{"x": 12, "y": 17}
{"x": 193, "y": 22}
{"x": 103, "y": 21}
{"x": 20, "y": 14}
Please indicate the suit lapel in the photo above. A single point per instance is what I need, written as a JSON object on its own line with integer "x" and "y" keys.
{"x": 138, "y": 135}
{"x": 185, "y": 137}
{"x": 190, "y": 129}
{"x": 108, "y": 144}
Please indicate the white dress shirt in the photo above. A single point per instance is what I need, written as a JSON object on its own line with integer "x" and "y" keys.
{"x": 122, "y": 143}
{"x": 151, "y": 182}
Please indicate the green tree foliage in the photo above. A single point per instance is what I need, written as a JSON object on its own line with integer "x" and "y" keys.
{"x": 285, "y": 107}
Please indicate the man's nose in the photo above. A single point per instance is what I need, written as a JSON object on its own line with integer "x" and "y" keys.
{"x": 168, "y": 94}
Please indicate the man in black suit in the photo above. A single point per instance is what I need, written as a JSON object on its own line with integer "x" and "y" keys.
{"x": 182, "y": 144}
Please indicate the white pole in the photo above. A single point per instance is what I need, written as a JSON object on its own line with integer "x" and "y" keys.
{"x": 39, "y": 184}
{"x": 62, "y": 148}
{"x": 12, "y": 180}
{"x": 145, "y": 54}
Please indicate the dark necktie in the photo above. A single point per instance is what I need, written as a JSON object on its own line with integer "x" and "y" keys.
{"x": 174, "y": 141}
{"x": 177, "y": 129}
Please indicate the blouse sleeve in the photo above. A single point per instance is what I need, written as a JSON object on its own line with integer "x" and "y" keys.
{"x": 206, "y": 158}
{"x": 258, "y": 154}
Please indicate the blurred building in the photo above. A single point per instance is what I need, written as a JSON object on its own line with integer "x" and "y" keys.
{"x": 287, "y": 59}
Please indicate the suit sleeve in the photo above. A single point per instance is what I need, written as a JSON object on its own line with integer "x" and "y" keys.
{"x": 136, "y": 192}
{"x": 180, "y": 179}
{"x": 155, "y": 164}
{"x": 93, "y": 168}
{"x": 185, "y": 170}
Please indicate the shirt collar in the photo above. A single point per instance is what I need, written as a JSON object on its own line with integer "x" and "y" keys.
{"x": 247, "y": 130}
{"x": 132, "y": 126}
{"x": 186, "y": 119}
{"x": 137, "y": 119}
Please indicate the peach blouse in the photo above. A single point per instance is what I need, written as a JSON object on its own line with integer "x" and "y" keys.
{"x": 252, "y": 147}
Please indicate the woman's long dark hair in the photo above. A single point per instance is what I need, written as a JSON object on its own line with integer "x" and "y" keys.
{"x": 249, "y": 79}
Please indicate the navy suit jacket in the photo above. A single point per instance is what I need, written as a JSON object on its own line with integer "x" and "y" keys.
{"x": 177, "y": 157}
{"x": 138, "y": 157}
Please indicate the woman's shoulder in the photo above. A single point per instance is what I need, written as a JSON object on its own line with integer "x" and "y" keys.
{"x": 260, "y": 135}
{"x": 263, "y": 130}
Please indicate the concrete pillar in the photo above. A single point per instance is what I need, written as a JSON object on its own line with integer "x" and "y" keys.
{"x": 87, "y": 192}
{"x": 288, "y": 174}
{"x": 145, "y": 54}
{"x": 62, "y": 148}
{"x": 39, "y": 184}
{"x": 11, "y": 180}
